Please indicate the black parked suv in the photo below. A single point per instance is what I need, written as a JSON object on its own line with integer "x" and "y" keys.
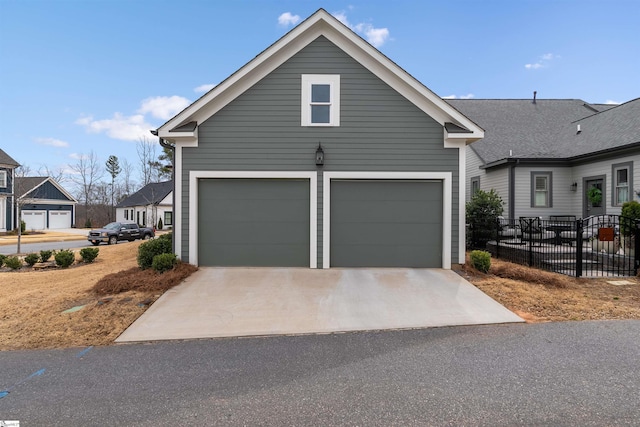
{"x": 116, "y": 231}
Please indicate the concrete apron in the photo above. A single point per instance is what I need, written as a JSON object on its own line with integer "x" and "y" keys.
{"x": 232, "y": 302}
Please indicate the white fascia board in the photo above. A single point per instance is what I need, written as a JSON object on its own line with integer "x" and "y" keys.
{"x": 321, "y": 23}
{"x": 312, "y": 176}
{"x": 445, "y": 177}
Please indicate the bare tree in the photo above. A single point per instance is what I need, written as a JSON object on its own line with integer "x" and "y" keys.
{"x": 58, "y": 174}
{"x": 128, "y": 184}
{"x": 146, "y": 149}
{"x": 19, "y": 192}
{"x": 87, "y": 172}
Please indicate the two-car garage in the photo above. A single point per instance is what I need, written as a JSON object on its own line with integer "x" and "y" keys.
{"x": 43, "y": 219}
{"x": 364, "y": 220}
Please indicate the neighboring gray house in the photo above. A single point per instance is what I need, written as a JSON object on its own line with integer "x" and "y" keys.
{"x": 7, "y": 172}
{"x": 148, "y": 205}
{"x": 320, "y": 152}
{"x": 542, "y": 157}
{"x": 44, "y": 204}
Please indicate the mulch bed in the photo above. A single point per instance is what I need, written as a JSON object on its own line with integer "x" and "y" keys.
{"x": 136, "y": 279}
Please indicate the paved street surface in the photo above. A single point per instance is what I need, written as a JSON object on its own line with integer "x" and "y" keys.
{"x": 555, "y": 374}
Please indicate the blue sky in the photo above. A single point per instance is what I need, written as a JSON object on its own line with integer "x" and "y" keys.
{"x": 96, "y": 75}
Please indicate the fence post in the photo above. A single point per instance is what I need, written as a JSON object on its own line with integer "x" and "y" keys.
{"x": 636, "y": 258}
{"x": 579, "y": 229}
{"x": 498, "y": 227}
{"x": 529, "y": 228}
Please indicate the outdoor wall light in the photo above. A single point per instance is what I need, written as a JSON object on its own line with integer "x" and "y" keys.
{"x": 574, "y": 186}
{"x": 319, "y": 155}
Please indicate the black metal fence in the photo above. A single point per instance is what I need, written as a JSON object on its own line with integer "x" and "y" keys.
{"x": 597, "y": 246}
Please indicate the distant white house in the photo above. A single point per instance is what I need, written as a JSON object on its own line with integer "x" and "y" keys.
{"x": 151, "y": 203}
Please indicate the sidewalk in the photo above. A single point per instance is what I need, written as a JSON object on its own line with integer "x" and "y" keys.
{"x": 64, "y": 235}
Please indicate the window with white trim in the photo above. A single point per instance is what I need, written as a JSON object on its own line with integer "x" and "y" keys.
{"x": 320, "y": 100}
{"x": 475, "y": 185}
{"x": 622, "y": 182}
{"x": 3, "y": 179}
{"x": 541, "y": 190}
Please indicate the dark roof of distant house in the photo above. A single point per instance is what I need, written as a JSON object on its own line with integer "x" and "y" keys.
{"x": 546, "y": 129}
{"x": 6, "y": 159}
{"x": 25, "y": 184}
{"x": 150, "y": 194}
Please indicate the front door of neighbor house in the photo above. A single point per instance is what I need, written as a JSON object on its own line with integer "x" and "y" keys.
{"x": 594, "y": 197}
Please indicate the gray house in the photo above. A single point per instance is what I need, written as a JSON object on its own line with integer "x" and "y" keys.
{"x": 44, "y": 203}
{"x": 148, "y": 205}
{"x": 7, "y": 172}
{"x": 321, "y": 152}
{"x": 544, "y": 156}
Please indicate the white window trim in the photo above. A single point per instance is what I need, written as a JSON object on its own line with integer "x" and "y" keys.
{"x": 333, "y": 80}
{"x": 3, "y": 179}
{"x": 313, "y": 204}
{"x": 446, "y": 178}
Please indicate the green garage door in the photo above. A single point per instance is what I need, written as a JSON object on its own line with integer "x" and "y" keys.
{"x": 253, "y": 222}
{"x": 386, "y": 223}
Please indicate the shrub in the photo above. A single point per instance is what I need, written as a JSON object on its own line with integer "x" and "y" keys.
{"x": 2, "y": 258}
{"x": 23, "y": 226}
{"x": 89, "y": 254}
{"x": 481, "y": 260}
{"x": 87, "y": 223}
{"x": 630, "y": 214}
{"x": 64, "y": 258}
{"x": 160, "y": 224}
{"x": 31, "y": 259}
{"x": 164, "y": 262}
{"x": 151, "y": 248}
{"x": 13, "y": 262}
{"x": 45, "y": 255}
{"x": 482, "y": 214}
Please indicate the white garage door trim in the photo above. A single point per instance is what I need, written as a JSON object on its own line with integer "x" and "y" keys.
{"x": 446, "y": 178}
{"x": 313, "y": 204}
{"x": 66, "y": 214}
{"x": 32, "y": 215}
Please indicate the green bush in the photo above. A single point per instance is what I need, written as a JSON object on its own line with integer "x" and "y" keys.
{"x": 164, "y": 262}
{"x": 13, "y": 262}
{"x": 87, "y": 223}
{"x": 481, "y": 260}
{"x": 482, "y": 213}
{"x": 151, "y": 248}
{"x": 45, "y": 255}
{"x": 23, "y": 226}
{"x": 89, "y": 254}
{"x": 2, "y": 258}
{"x": 160, "y": 224}
{"x": 630, "y": 214}
{"x": 31, "y": 259}
{"x": 64, "y": 258}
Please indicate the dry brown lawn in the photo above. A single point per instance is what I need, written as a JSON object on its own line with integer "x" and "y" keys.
{"x": 114, "y": 293}
{"x": 32, "y": 302}
{"x": 540, "y": 296}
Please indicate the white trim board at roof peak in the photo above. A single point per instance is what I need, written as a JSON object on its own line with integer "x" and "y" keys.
{"x": 445, "y": 177}
{"x": 319, "y": 24}
{"x": 194, "y": 176}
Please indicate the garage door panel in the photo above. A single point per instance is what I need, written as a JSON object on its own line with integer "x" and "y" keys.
{"x": 59, "y": 219}
{"x": 253, "y": 222}
{"x": 386, "y": 223}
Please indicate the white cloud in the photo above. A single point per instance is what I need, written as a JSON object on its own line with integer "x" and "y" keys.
{"x": 127, "y": 128}
{"x": 287, "y": 19}
{"x": 376, "y": 36}
{"x": 543, "y": 61}
{"x": 204, "y": 88}
{"x": 611, "y": 102}
{"x": 163, "y": 107}
{"x": 77, "y": 156}
{"x": 52, "y": 142}
{"x": 467, "y": 96}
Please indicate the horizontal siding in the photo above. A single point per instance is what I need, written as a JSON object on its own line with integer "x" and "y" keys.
{"x": 562, "y": 196}
{"x": 379, "y": 130}
{"x": 498, "y": 180}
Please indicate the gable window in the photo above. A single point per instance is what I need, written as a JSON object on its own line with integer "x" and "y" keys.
{"x": 3, "y": 179}
{"x": 622, "y": 182}
{"x": 541, "y": 190}
{"x": 320, "y": 100}
{"x": 475, "y": 185}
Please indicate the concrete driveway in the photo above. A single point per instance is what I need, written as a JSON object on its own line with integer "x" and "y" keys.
{"x": 231, "y": 302}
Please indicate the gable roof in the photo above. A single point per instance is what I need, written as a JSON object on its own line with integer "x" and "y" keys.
{"x": 183, "y": 127}
{"x": 150, "y": 194}
{"x": 7, "y": 160}
{"x": 28, "y": 184}
{"x": 546, "y": 129}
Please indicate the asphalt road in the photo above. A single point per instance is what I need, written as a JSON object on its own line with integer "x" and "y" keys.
{"x": 555, "y": 374}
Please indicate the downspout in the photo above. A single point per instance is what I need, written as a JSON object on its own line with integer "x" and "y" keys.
{"x": 512, "y": 189}
{"x": 165, "y": 144}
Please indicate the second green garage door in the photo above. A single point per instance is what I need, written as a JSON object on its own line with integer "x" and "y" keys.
{"x": 386, "y": 223}
{"x": 253, "y": 222}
